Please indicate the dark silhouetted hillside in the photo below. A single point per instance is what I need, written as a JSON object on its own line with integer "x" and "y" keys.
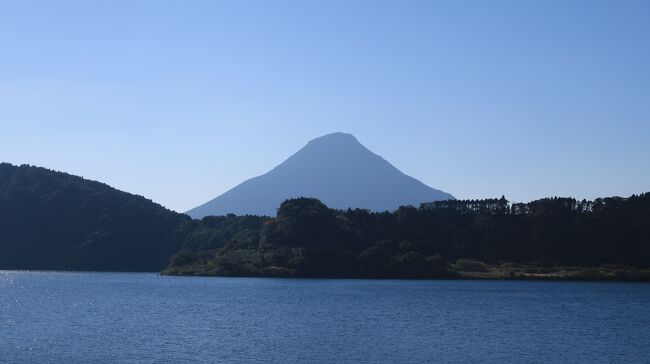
{"x": 53, "y": 220}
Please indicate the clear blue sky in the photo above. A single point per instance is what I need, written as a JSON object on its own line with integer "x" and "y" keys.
{"x": 181, "y": 100}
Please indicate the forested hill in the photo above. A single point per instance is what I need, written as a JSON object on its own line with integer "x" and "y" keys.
{"x": 53, "y": 220}
{"x": 308, "y": 239}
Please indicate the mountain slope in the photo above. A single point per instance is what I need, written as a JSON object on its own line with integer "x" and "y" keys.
{"x": 334, "y": 168}
{"x": 53, "y": 220}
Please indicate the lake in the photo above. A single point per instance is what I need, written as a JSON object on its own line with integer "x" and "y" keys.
{"x": 134, "y": 317}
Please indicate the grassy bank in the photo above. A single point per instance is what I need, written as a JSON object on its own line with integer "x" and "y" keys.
{"x": 534, "y": 272}
{"x": 462, "y": 269}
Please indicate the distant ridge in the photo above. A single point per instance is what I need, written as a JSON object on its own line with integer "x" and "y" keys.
{"x": 334, "y": 168}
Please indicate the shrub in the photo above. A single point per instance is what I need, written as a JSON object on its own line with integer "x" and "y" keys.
{"x": 471, "y": 265}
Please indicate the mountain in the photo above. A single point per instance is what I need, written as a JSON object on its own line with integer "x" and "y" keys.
{"x": 334, "y": 168}
{"x": 56, "y": 221}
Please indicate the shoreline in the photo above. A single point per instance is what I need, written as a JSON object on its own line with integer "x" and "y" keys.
{"x": 560, "y": 274}
{"x": 567, "y": 274}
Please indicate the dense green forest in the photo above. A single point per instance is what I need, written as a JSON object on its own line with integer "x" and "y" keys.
{"x": 435, "y": 240}
{"x": 53, "y": 220}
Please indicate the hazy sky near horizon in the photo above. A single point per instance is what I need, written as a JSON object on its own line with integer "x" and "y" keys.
{"x": 181, "y": 100}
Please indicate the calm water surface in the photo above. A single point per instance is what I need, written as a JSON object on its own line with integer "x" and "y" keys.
{"x": 131, "y": 317}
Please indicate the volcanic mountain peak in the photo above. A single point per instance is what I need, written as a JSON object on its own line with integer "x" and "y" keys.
{"x": 334, "y": 168}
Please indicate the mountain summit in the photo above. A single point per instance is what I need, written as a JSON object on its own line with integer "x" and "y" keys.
{"x": 334, "y": 168}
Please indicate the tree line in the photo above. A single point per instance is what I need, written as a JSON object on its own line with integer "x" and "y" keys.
{"x": 53, "y": 220}
{"x": 307, "y": 238}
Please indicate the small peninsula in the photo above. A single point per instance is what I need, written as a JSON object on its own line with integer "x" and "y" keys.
{"x": 552, "y": 238}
